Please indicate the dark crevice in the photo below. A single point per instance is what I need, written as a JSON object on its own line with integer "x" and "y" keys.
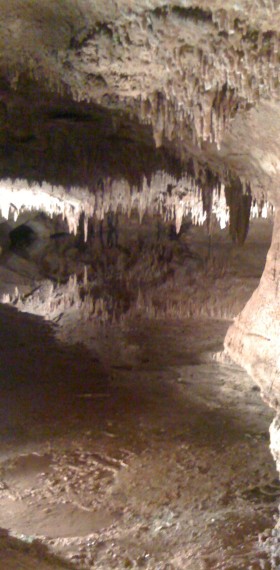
{"x": 66, "y": 115}
{"x": 161, "y": 11}
{"x": 239, "y": 204}
{"x": 196, "y": 14}
{"x": 84, "y": 36}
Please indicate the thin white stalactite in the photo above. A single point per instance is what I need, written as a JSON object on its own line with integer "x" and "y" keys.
{"x": 164, "y": 195}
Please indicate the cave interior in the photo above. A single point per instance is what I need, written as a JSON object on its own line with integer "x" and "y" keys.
{"x": 139, "y": 284}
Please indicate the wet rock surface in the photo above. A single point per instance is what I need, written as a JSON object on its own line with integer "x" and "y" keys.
{"x": 147, "y": 269}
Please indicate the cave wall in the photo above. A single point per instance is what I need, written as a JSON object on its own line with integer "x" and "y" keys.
{"x": 254, "y": 338}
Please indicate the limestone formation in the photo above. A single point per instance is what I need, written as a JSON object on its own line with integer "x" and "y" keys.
{"x": 167, "y": 108}
{"x": 253, "y": 339}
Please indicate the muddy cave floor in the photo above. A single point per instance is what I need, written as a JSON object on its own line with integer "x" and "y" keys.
{"x": 160, "y": 461}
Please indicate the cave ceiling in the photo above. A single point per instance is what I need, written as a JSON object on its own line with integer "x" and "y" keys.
{"x": 122, "y": 90}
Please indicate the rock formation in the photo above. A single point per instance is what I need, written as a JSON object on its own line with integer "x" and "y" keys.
{"x": 169, "y": 109}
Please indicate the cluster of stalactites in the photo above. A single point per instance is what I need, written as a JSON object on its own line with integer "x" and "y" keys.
{"x": 210, "y": 85}
{"x": 201, "y": 200}
{"x": 242, "y": 208}
{"x": 206, "y": 119}
{"x": 163, "y": 195}
{"x": 17, "y": 197}
{"x": 198, "y": 85}
{"x": 249, "y": 64}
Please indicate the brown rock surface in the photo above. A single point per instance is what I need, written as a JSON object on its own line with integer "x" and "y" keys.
{"x": 254, "y": 339}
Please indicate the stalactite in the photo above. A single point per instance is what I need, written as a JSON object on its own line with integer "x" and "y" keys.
{"x": 239, "y": 203}
{"x": 248, "y": 66}
{"x": 235, "y": 54}
{"x": 17, "y": 197}
{"x": 198, "y": 195}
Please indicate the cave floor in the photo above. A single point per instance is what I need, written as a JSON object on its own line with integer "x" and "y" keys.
{"x": 142, "y": 453}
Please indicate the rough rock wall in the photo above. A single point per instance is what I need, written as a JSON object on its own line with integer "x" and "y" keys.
{"x": 254, "y": 339}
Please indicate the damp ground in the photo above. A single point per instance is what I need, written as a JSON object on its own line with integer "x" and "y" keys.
{"x": 139, "y": 451}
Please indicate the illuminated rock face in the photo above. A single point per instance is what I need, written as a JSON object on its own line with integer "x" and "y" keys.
{"x": 254, "y": 342}
{"x": 253, "y": 339}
